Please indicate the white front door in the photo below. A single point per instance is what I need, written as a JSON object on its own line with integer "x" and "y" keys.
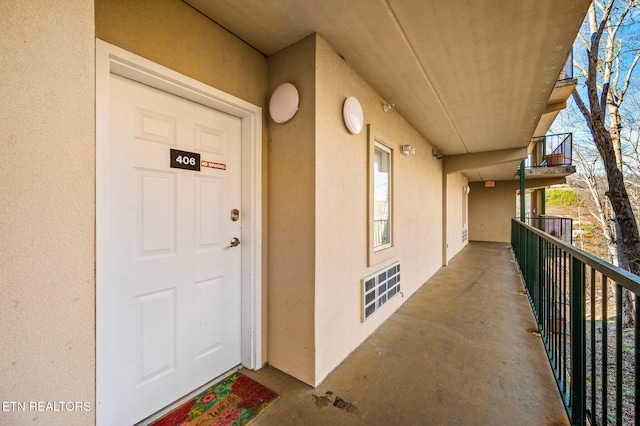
{"x": 173, "y": 285}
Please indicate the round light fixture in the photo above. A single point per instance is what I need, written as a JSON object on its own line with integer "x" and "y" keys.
{"x": 284, "y": 103}
{"x": 353, "y": 115}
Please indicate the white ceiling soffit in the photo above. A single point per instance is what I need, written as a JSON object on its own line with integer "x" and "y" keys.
{"x": 470, "y": 75}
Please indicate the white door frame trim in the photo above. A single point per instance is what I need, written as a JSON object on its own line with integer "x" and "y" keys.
{"x": 112, "y": 59}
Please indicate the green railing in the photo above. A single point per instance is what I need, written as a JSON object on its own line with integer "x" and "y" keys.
{"x": 577, "y": 300}
{"x": 567, "y": 70}
{"x": 559, "y": 227}
{"x": 557, "y": 150}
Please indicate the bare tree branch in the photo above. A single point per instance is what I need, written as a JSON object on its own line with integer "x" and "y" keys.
{"x": 582, "y": 69}
{"x": 587, "y": 43}
{"x": 583, "y": 109}
{"x": 593, "y": 61}
{"x": 629, "y": 73}
{"x": 604, "y": 116}
{"x": 621, "y": 19}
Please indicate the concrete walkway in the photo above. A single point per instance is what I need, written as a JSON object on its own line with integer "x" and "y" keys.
{"x": 460, "y": 351}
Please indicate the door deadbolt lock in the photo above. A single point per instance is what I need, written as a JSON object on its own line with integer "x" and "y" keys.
{"x": 235, "y": 215}
{"x": 235, "y": 242}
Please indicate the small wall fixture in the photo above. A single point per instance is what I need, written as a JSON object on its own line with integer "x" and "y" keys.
{"x": 436, "y": 154}
{"x": 407, "y": 150}
{"x": 387, "y": 107}
{"x": 284, "y": 103}
{"x": 353, "y": 115}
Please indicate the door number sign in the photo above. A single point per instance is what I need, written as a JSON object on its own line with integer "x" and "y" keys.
{"x": 184, "y": 160}
{"x": 191, "y": 161}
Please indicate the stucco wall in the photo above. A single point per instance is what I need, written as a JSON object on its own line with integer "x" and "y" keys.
{"x": 318, "y": 186}
{"x": 47, "y": 211}
{"x": 341, "y": 235}
{"x": 292, "y": 224}
{"x": 491, "y": 210}
{"x": 173, "y": 34}
{"x": 455, "y": 184}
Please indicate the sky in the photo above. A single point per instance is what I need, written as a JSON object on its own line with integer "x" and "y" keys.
{"x": 628, "y": 42}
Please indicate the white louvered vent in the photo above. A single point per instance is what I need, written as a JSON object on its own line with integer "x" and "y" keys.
{"x": 378, "y": 288}
{"x": 465, "y": 235}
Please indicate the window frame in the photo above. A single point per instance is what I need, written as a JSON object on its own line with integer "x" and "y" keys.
{"x": 379, "y": 146}
{"x": 465, "y": 202}
{"x": 386, "y": 251}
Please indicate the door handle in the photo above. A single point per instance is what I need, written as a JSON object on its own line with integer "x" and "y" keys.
{"x": 235, "y": 242}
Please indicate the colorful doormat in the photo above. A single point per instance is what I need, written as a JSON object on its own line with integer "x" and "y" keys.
{"x": 237, "y": 400}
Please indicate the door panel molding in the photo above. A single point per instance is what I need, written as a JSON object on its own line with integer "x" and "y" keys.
{"x": 112, "y": 59}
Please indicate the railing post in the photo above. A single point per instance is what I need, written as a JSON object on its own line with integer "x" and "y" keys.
{"x": 522, "y": 188}
{"x": 577, "y": 324}
{"x": 562, "y": 278}
{"x": 540, "y": 280}
{"x": 636, "y": 337}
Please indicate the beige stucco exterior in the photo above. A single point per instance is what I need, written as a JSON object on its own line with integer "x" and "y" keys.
{"x": 292, "y": 158}
{"x": 47, "y": 200}
{"x": 341, "y": 210}
{"x": 173, "y": 34}
{"x": 318, "y": 201}
{"x": 491, "y": 210}
{"x": 315, "y": 242}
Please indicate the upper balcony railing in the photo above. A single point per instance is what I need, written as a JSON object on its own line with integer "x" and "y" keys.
{"x": 559, "y": 227}
{"x": 567, "y": 70}
{"x": 380, "y": 232}
{"x": 594, "y": 350}
{"x": 551, "y": 150}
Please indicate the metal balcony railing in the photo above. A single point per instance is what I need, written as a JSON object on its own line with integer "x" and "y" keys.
{"x": 551, "y": 150}
{"x": 380, "y": 232}
{"x": 577, "y": 300}
{"x": 567, "y": 70}
{"x": 559, "y": 227}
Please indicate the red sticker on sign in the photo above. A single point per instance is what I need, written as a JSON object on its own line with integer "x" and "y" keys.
{"x": 212, "y": 165}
